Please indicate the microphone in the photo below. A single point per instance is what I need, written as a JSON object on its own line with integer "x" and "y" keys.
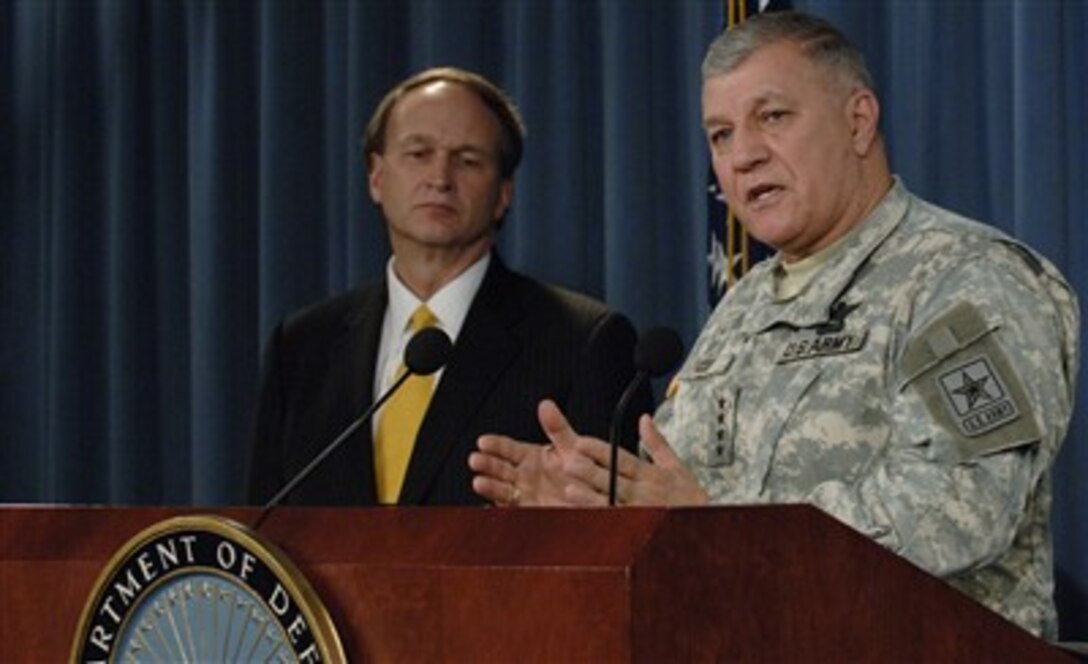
{"x": 656, "y": 353}
{"x": 427, "y": 352}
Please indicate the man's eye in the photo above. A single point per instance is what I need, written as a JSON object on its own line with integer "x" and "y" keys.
{"x": 719, "y": 137}
{"x": 774, "y": 115}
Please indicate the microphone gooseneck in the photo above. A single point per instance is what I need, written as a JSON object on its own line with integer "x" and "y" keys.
{"x": 656, "y": 353}
{"x": 427, "y": 352}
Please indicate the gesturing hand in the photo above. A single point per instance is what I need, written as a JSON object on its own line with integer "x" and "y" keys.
{"x": 662, "y": 480}
{"x": 573, "y": 469}
{"x": 513, "y": 472}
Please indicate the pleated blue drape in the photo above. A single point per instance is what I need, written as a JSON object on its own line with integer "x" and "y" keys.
{"x": 178, "y": 175}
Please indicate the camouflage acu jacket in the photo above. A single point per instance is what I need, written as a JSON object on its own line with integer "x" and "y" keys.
{"x": 917, "y": 389}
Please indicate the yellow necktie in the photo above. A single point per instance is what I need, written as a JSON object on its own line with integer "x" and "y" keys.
{"x": 400, "y": 421}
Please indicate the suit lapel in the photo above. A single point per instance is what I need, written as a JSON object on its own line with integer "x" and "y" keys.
{"x": 351, "y": 359}
{"x": 485, "y": 348}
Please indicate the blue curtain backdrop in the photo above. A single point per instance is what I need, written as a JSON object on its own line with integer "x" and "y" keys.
{"x": 178, "y": 175}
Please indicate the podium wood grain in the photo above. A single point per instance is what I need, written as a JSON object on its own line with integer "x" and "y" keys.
{"x": 773, "y": 583}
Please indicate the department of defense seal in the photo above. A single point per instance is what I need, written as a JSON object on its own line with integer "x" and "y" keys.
{"x": 203, "y": 589}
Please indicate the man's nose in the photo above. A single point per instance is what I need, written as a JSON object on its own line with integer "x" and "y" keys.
{"x": 440, "y": 175}
{"x": 748, "y": 150}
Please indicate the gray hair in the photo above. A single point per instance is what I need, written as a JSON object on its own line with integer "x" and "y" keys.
{"x": 820, "y": 41}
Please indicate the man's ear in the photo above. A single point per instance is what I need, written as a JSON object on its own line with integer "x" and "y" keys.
{"x": 375, "y": 170}
{"x": 863, "y": 114}
{"x": 506, "y": 195}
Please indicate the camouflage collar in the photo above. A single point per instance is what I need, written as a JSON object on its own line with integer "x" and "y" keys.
{"x": 814, "y": 305}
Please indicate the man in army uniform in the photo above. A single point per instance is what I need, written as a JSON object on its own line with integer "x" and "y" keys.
{"x": 906, "y": 370}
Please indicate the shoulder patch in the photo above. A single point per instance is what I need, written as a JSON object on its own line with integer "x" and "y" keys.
{"x": 963, "y": 376}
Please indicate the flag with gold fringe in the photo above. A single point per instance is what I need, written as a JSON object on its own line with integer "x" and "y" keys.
{"x": 731, "y": 251}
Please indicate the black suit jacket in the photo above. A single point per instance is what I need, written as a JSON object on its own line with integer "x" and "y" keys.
{"x": 521, "y": 341}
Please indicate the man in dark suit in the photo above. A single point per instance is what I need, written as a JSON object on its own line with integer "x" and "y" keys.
{"x": 441, "y": 150}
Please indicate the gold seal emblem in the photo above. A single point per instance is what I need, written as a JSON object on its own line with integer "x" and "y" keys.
{"x": 202, "y": 589}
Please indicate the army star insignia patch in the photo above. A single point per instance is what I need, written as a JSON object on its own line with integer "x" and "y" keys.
{"x": 977, "y": 397}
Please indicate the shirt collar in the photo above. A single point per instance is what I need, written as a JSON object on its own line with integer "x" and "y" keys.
{"x": 450, "y": 304}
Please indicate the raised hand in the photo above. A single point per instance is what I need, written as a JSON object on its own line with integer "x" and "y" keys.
{"x": 661, "y": 480}
{"x": 512, "y": 472}
{"x": 573, "y": 469}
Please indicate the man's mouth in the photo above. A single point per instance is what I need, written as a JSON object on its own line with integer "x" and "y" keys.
{"x": 441, "y": 207}
{"x": 762, "y": 194}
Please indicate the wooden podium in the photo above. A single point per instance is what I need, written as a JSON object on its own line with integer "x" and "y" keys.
{"x": 781, "y": 583}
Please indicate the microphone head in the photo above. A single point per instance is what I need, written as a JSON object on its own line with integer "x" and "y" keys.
{"x": 658, "y": 352}
{"x": 427, "y": 351}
